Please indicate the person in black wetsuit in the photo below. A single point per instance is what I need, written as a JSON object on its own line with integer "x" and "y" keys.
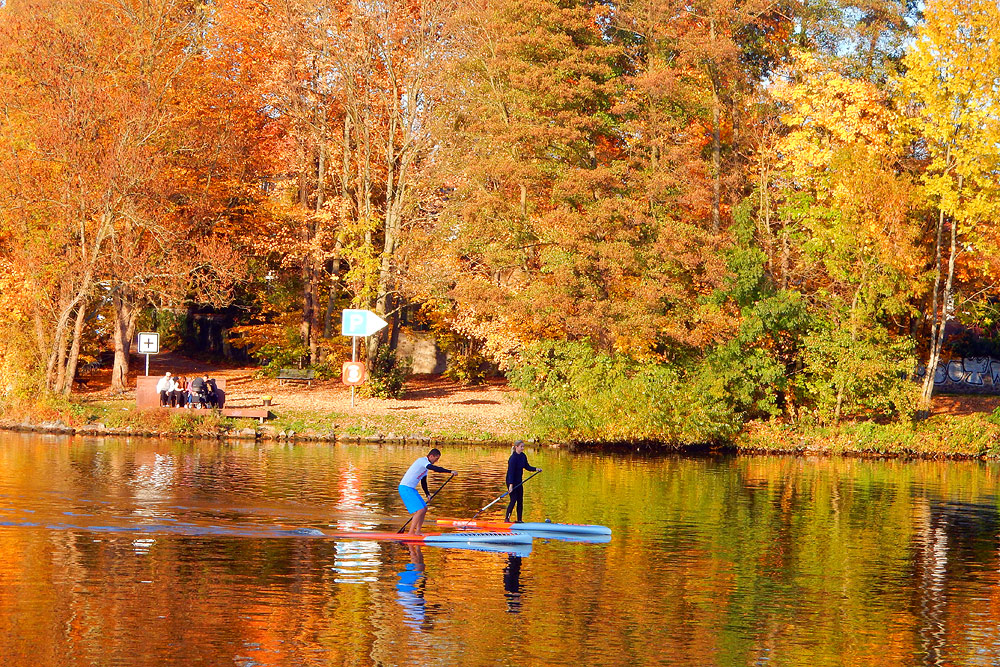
{"x": 516, "y": 465}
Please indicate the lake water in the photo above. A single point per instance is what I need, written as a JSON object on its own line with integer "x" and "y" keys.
{"x": 145, "y": 552}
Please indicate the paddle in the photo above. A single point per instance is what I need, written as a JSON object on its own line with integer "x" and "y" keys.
{"x": 484, "y": 508}
{"x": 429, "y": 499}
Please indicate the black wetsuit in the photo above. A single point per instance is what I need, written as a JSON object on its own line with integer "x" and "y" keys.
{"x": 516, "y": 465}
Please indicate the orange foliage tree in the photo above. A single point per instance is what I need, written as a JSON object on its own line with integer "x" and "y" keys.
{"x": 92, "y": 126}
{"x": 584, "y": 181}
{"x": 345, "y": 90}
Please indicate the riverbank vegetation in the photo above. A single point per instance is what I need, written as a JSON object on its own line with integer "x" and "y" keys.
{"x": 661, "y": 221}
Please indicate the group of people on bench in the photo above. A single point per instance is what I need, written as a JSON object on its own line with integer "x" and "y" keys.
{"x": 177, "y": 391}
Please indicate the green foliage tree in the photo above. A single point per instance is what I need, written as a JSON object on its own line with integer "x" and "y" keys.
{"x": 575, "y": 392}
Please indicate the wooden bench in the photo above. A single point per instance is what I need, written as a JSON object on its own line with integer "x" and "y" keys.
{"x": 296, "y": 375}
{"x": 260, "y": 414}
{"x": 146, "y": 396}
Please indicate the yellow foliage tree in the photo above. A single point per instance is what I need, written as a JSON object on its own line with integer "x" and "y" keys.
{"x": 848, "y": 203}
{"x": 952, "y": 75}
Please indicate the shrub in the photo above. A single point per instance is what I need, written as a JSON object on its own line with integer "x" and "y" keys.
{"x": 468, "y": 367}
{"x": 574, "y": 392}
{"x": 386, "y": 375}
{"x": 275, "y": 346}
{"x": 199, "y": 422}
{"x": 862, "y": 375}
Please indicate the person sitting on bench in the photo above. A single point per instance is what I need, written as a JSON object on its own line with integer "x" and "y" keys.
{"x": 212, "y": 392}
{"x": 199, "y": 389}
{"x": 163, "y": 389}
{"x": 177, "y": 391}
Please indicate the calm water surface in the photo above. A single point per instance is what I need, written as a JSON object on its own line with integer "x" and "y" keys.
{"x": 118, "y": 552}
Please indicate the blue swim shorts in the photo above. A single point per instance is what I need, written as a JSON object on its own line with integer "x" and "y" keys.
{"x": 411, "y": 498}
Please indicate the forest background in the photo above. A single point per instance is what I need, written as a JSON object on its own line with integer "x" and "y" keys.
{"x": 660, "y": 219}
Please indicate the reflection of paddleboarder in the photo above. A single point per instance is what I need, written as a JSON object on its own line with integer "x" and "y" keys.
{"x": 410, "y": 589}
{"x": 512, "y": 583}
{"x": 516, "y": 465}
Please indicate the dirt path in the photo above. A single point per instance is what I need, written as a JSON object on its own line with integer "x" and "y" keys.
{"x": 964, "y": 405}
{"x": 431, "y": 403}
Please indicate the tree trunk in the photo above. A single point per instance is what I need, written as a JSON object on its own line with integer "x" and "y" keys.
{"x": 61, "y": 340}
{"x": 942, "y": 317}
{"x": 785, "y": 259}
{"x": 308, "y": 305}
{"x": 764, "y": 212}
{"x": 927, "y": 389}
{"x": 842, "y": 386}
{"x": 315, "y": 267}
{"x": 716, "y": 142}
{"x": 334, "y": 294}
{"x": 62, "y": 343}
{"x": 938, "y": 343}
{"x": 345, "y": 195}
{"x": 126, "y": 314}
{"x": 74, "y": 350}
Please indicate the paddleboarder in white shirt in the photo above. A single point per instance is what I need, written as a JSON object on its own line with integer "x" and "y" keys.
{"x": 417, "y": 474}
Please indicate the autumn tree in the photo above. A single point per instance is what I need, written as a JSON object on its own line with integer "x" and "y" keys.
{"x": 348, "y": 89}
{"x": 164, "y": 250}
{"x": 93, "y": 127}
{"x": 76, "y": 156}
{"x": 847, "y": 203}
{"x": 551, "y": 229}
{"x": 868, "y": 36}
{"x": 952, "y": 74}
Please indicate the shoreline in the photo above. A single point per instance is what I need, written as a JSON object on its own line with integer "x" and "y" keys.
{"x": 437, "y": 411}
{"x": 258, "y": 433}
{"x": 943, "y": 437}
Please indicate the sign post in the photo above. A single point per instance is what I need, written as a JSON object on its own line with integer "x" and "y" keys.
{"x": 149, "y": 343}
{"x": 357, "y": 323}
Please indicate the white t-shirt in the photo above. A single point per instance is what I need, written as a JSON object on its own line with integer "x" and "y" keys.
{"x": 417, "y": 471}
{"x": 164, "y": 384}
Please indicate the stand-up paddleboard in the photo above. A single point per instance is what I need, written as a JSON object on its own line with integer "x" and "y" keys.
{"x": 511, "y": 543}
{"x": 501, "y": 538}
{"x": 528, "y": 527}
{"x": 522, "y": 550}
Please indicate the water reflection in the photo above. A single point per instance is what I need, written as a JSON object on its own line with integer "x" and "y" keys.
{"x": 410, "y": 589}
{"x": 220, "y": 553}
{"x": 357, "y": 562}
{"x": 512, "y": 583}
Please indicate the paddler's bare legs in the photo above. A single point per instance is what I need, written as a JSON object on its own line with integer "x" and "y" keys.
{"x": 416, "y": 556}
{"x": 418, "y": 521}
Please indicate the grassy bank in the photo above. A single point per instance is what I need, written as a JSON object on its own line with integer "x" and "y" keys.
{"x": 117, "y": 415}
{"x": 947, "y": 435}
{"x": 956, "y": 436}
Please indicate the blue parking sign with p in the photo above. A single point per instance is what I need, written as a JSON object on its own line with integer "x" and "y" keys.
{"x": 353, "y": 323}
{"x": 360, "y": 323}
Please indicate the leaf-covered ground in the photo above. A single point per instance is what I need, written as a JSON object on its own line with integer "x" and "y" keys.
{"x": 432, "y": 406}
